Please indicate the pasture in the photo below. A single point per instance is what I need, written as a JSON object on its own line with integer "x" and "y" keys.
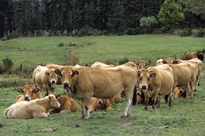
{"x": 185, "y": 117}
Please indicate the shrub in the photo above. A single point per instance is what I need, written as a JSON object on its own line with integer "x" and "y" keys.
{"x": 186, "y": 32}
{"x": 136, "y": 31}
{"x": 130, "y": 31}
{"x": 200, "y": 33}
{"x": 164, "y": 29}
{"x": 85, "y": 31}
{"x": 8, "y": 63}
{"x": 120, "y": 30}
{"x": 124, "y": 60}
{"x": 2, "y": 69}
{"x": 156, "y": 31}
{"x": 60, "y": 45}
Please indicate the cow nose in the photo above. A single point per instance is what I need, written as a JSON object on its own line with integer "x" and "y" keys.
{"x": 99, "y": 102}
{"x": 180, "y": 91}
{"x": 66, "y": 85}
{"x": 138, "y": 93}
{"x": 53, "y": 82}
{"x": 26, "y": 98}
{"x": 144, "y": 87}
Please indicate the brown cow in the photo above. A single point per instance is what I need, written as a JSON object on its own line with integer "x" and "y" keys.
{"x": 116, "y": 99}
{"x": 188, "y": 56}
{"x": 45, "y": 78}
{"x": 184, "y": 75}
{"x": 101, "y": 65}
{"x": 29, "y": 92}
{"x": 154, "y": 81}
{"x": 67, "y": 105}
{"x": 179, "y": 92}
{"x": 141, "y": 97}
{"x": 87, "y": 82}
{"x": 37, "y": 108}
{"x": 196, "y": 66}
{"x": 99, "y": 104}
{"x": 141, "y": 64}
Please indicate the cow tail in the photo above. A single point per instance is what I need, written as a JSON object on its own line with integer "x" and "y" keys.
{"x": 134, "y": 98}
{"x": 5, "y": 112}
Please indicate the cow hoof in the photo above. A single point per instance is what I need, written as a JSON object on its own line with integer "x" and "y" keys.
{"x": 195, "y": 90}
{"x": 165, "y": 102}
{"x": 85, "y": 119}
{"x": 146, "y": 109}
{"x": 122, "y": 117}
{"x": 157, "y": 106}
{"x": 81, "y": 118}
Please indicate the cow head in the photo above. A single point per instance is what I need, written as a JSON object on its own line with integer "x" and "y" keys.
{"x": 28, "y": 92}
{"x": 53, "y": 77}
{"x": 144, "y": 77}
{"x": 140, "y": 96}
{"x": 66, "y": 73}
{"x": 141, "y": 64}
{"x": 159, "y": 62}
{"x": 53, "y": 101}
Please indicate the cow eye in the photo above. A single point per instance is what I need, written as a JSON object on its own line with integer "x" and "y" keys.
{"x": 61, "y": 75}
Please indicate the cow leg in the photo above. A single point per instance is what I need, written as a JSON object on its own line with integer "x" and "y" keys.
{"x": 87, "y": 107}
{"x": 166, "y": 99}
{"x": 128, "y": 98}
{"x": 146, "y": 103}
{"x": 187, "y": 90}
{"x": 158, "y": 103}
{"x": 192, "y": 85}
{"x": 170, "y": 99}
{"x": 46, "y": 90}
{"x": 40, "y": 115}
{"x": 83, "y": 109}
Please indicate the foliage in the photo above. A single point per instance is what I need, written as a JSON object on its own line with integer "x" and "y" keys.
{"x": 8, "y": 63}
{"x": 170, "y": 13}
{"x": 200, "y": 33}
{"x": 186, "y": 32}
{"x": 148, "y": 21}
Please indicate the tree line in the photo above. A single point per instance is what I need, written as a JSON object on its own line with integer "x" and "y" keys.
{"x": 23, "y": 16}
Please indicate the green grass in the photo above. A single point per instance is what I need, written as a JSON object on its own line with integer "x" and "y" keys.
{"x": 98, "y": 48}
{"x": 186, "y": 117}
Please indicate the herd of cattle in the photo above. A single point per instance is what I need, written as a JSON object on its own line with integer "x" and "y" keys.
{"x": 99, "y": 85}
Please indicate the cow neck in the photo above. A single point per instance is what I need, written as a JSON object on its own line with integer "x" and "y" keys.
{"x": 45, "y": 103}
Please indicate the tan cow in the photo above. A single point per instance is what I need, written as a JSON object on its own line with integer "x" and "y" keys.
{"x": 33, "y": 109}
{"x": 67, "y": 105}
{"x": 45, "y": 78}
{"x": 196, "y": 66}
{"x": 184, "y": 75}
{"x": 154, "y": 81}
{"x": 29, "y": 92}
{"x": 87, "y": 82}
{"x": 179, "y": 92}
{"x": 99, "y": 104}
{"x": 116, "y": 99}
{"x": 101, "y": 65}
{"x": 141, "y": 64}
{"x": 188, "y": 56}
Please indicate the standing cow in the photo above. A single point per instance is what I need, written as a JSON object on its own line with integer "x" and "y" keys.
{"x": 45, "y": 78}
{"x": 87, "y": 82}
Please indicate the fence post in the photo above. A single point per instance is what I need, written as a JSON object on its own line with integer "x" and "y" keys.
{"x": 20, "y": 67}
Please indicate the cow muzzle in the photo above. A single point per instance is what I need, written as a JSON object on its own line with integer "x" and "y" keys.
{"x": 144, "y": 87}
{"x": 138, "y": 93}
{"x": 66, "y": 85}
{"x": 27, "y": 98}
{"x": 53, "y": 81}
{"x": 180, "y": 91}
{"x": 100, "y": 102}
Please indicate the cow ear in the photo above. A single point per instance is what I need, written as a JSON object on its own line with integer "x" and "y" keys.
{"x": 74, "y": 72}
{"x": 58, "y": 72}
{"x": 58, "y": 96}
{"x": 20, "y": 90}
{"x": 153, "y": 74}
{"x": 164, "y": 62}
{"x": 47, "y": 73}
{"x": 35, "y": 90}
{"x": 137, "y": 63}
{"x": 175, "y": 62}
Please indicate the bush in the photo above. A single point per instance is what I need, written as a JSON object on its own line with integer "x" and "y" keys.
{"x": 164, "y": 30}
{"x": 60, "y": 45}
{"x": 136, "y": 31}
{"x": 85, "y": 31}
{"x": 125, "y": 60}
{"x": 2, "y": 69}
{"x": 8, "y": 64}
{"x": 200, "y": 33}
{"x": 121, "y": 30}
{"x": 130, "y": 31}
{"x": 186, "y": 32}
{"x": 156, "y": 31}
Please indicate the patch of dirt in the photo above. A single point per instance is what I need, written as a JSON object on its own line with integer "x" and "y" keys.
{"x": 124, "y": 124}
{"x": 49, "y": 130}
{"x": 71, "y": 58}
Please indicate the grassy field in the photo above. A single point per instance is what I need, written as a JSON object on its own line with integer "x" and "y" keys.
{"x": 186, "y": 117}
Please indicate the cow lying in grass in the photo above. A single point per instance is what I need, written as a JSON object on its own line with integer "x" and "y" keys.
{"x": 67, "y": 105}
{"x": 33, "y": 109}
{"x": 116, "y": 99}
{"x": 29, "y": 92}
{"x": 99, "y": 104}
